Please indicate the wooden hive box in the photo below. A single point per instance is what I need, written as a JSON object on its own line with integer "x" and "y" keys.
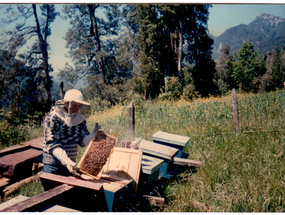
{"x": 96, "y": 154}
{"x": 161, "y": 152}
{"x": 149, "y": 173}
{"x": 120, "y": 177}
{"x": 173, "y": 140}
{"x": 125, "y": 163}
{"x": 117, "y": 190}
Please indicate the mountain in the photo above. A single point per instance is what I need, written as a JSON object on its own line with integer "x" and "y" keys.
{"x": 266, "y": 32}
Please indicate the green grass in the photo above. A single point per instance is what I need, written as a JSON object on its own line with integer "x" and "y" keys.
{"x": 242, "y": 173}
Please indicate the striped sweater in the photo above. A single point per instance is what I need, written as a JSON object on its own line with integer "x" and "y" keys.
{"x": 63, "y": 130}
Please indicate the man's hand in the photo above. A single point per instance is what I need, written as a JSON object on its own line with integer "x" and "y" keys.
{"x": 61, "y": 155}
{"x": 97, "y": 127}
{"x": 88, "y": 138}
{"x": 70, "y": 165}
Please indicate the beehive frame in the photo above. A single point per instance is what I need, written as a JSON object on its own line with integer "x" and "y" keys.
{"x": 100, "y": 135}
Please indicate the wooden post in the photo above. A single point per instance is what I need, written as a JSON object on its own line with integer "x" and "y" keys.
{"x": 61, "y": 92}
{"x": 126, "y": 144}
{"x": 132, "y": 119}
{"x": 235, "y": 110}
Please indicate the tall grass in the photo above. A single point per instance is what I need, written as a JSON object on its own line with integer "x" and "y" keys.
{"x": 243, "y": 172}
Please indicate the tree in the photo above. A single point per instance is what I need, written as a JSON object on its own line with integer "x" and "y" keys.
{"x": 247, "y": 67}
{"x": 150, "y": 45}
{"x": 169, "y": 36}
{"x": 222, "y": 69}
{"x": 266, "y": 82}
{"x": 200, "y": 51}
{"x": 87, "y": 47}
{"x": 278, "y": 69}
{"x": 20, "y": 89}
{"x": 274, "y": 76}
{"x": 13, "y": 40}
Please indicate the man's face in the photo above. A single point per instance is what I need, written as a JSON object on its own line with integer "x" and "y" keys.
{"x": 74, "y": 107}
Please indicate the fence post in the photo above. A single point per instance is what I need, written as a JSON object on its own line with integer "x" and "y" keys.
{"x": 132, "y": 120}
{"x": 61, "y": 92}
{"x": 235, "y": 110}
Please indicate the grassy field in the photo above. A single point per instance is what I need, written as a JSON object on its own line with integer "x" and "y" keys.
{"x": 243, "y": 172}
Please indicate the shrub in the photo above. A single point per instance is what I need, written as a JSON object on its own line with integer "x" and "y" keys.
{"x": 136, "y": 98}
{"x": 172, "y": 90}
{"x": 11, "y": 135}
{"x": 189, "y": 93}
{"x": 98, "y": 105}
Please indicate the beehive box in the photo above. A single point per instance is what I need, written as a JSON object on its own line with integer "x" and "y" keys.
{"x": 117, "y": 191}
{"x": 120, "y": 176}
{"x": 125, "y": 163}
{"x": 149, "y": 176}
{"x": 172, "y": 140}
{"x": 161, "y": 152}
{"x": 97, "y": 154}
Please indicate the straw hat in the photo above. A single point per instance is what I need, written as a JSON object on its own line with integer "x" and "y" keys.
{"x": 74, "y": 96}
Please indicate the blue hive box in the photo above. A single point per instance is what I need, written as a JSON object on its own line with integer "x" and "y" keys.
{"x": 172, "y": 140}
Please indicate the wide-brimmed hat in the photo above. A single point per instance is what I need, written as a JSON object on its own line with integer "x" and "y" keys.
{"x": 74, "y": 96}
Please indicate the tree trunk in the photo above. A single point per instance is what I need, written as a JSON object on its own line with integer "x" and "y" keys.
{"x": 95, "y": 34}
{"x": 179, "y": 50}
{"x": 43, "y": 46}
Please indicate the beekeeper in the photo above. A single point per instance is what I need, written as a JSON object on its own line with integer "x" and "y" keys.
{"x": 64, "y": 129}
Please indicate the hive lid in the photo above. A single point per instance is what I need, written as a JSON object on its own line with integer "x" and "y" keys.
{"x": 170, "y": 138}
{"x": 157, "y": 150}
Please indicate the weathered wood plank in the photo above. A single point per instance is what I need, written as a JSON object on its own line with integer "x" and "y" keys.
{"x": 10, "y": 161}
{"x": 70, "y": 181}
{"x": 37, "y": 143}
{"x": 13, "y": 149}
{"x": 153, "y": 200}
{"x": 187, "y": 162}
{"x": 158, "y": 150}
{"x": 50, "y": 208}
{"x": 24, "y": 205}
{"x": 58, "y": 208}
{"x": 34, "y": 143}
{"x": 4, "y": 181}
{"x": 13, "y": 201}
{"x": 11, "y": 188}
